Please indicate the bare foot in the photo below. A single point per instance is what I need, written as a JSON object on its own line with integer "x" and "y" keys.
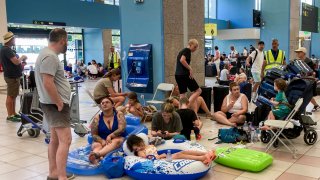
{"x": 94, "y": 158}
{"x": 208, "y": 159}
{"x": 233, "y": 124}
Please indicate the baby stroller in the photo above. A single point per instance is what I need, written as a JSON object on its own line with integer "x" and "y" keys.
{"x": 298, "y": 88}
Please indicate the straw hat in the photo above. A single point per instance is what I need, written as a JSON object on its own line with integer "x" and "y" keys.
{"x": 8, "y": 36}
{"x": 301, "y": 49}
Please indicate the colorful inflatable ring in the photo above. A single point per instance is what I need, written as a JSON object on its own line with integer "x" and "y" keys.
{"x": 141, "y": 168}
{"x": 78, "y": 162}
{"x": 244, "y": 159}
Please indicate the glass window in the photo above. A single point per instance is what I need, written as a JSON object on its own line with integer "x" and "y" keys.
{"x": 116, "y": 39}
{"x": 307, "y": 1}
{"x": 109, "y": 2}
{"x": 206, "y": 6}
{"x": 258, "y": 5}
{"x": 210, "y": 9}
{"x": 30, "y": 47}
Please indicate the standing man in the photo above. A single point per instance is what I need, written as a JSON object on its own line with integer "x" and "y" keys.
{"x": 216, "y": 60}
{"x": 257, "y": 58}
{"x": 54, "y": 92}
{"x": 273, "y": 58}
{"x": 245, "y": 52}
{"x": 12, "y": 68}
{"x": 184, "y": 74}
{"x": 302, "y": 55}
{"x": 233, "y": 54}
{"x": 114, "y": 59}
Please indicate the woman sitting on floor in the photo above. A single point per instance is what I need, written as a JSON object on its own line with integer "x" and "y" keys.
{"x": 200, "y": 103}
{"x": 234, "y": 107}
{"x": 106, "y": 130}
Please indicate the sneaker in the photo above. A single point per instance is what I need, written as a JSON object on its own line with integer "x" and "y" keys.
{"x": 198, "y": 137}
{"x": 13, "y": 119}
{"x": 17, "y": 116}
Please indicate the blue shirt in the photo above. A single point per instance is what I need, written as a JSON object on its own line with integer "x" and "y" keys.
{"x": 67, "y": 68}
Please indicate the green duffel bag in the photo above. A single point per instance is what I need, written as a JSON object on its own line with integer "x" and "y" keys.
{"x": 244, "y": 159}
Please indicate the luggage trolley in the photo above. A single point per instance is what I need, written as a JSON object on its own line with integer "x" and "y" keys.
{"x": 77, "y": 124}
{"x": 31, "y": 114}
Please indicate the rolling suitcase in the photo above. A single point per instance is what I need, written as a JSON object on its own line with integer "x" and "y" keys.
{"x": 259, "y": 114}
{"x": 303, "y": 67}
{"x": 206, "y": 95}
{"x": 267, "y": 90}
{"x": 219, "y": 93}
{"x": 210, "y": 71}
{"x": 274, "y": 74}
{"x": 246, "y": 88}
{"x": 26, "y": 103}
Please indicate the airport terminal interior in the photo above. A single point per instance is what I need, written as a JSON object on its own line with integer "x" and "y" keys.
{"x": 160, "y": 89}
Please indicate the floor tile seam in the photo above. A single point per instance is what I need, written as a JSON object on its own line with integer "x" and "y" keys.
{"x": 11, "y": 170}
{"x": 261, "y": 171}
{"x": 24, "y": 167}
{"x": 299, "y": 174}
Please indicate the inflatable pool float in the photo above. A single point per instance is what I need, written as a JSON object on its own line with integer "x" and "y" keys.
{"x": 78, "y": 161}
{"x": 244, "y": 159}
{"x": 141, "y": 168}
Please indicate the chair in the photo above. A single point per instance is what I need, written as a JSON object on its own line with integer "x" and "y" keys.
{"x": 281, "y": 125}
{"x": 95, "y": 103}
{"x": 161, "y": 87}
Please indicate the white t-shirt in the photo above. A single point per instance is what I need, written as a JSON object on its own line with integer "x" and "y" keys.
{"x": 224, "y": 75}
{"x": 232, "y": 56}
{"x": 257, "y": 63}
{"x": 245, "y": 52}
{"x": 93, "y": 69}
{"x": 217, "y": 55}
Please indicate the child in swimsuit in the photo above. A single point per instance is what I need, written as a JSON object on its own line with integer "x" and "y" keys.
{"x": 136, "y": 144}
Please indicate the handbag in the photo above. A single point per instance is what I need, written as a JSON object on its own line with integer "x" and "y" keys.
{"x": 232, "y": 135}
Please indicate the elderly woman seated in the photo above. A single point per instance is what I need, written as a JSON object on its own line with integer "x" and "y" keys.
{"x": 234, "y": 107}
{"x": 106, "y": 130}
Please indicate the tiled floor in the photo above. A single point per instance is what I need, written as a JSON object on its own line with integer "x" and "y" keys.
{"x": 26, "y": 158}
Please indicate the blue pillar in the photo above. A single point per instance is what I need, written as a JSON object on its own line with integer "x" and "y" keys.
{"x": 315, "y": 37}
{"x": 142, "y": 24}
{"x": 276, "y": 15}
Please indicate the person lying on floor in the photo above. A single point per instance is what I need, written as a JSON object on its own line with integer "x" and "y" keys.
{"x": 106, "y": 129}
{"x": 234, "y": 107}
{"x": 136, "y": 144}
{"x": 166, "y": 123}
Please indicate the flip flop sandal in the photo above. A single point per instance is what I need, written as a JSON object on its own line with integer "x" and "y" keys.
{"x": 316, "y": 108}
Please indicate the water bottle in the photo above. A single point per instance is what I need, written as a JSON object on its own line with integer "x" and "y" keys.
{"x": 245, "y": 127}
{"x": 258, "y": 130}
{"x": 81, "y": 154}
{"x": 252, "y": 138}
{"x": 192, "y": 137}
{"x": 169, "y": 156}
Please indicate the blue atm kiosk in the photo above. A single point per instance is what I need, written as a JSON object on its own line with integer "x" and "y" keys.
{"x": 140, "y": 72}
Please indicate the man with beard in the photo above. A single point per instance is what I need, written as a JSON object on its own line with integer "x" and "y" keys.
{"x": 54, "y": 92}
